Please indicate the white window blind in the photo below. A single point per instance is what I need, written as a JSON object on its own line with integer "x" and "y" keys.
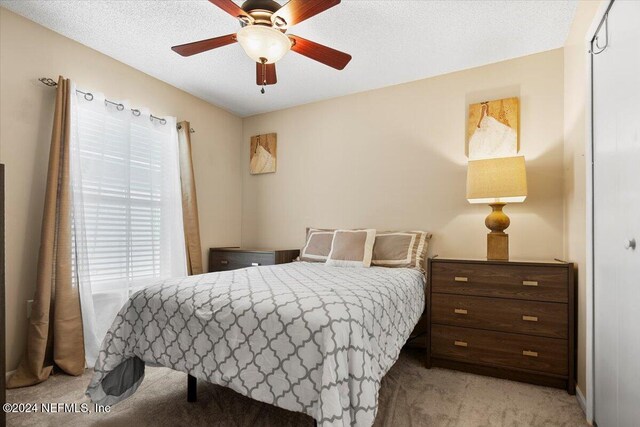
{"x": 127, "y": 217}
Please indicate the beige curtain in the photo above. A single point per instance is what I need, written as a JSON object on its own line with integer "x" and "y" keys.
{"x": 189, "y": 201}
{"x": 54, "y": 333}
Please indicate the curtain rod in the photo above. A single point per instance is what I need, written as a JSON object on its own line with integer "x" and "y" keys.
{"x": 120, "y": 107}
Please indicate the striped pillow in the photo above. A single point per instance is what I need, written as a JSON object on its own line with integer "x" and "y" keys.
{"x": 400, "y": 249}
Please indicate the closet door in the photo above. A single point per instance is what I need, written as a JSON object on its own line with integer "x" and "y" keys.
{"x": 616, "y": 130}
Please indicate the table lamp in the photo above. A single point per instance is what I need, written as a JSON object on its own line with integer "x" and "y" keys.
{"x": 497, "y": 182}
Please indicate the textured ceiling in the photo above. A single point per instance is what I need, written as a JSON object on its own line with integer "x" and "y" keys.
{"x": 391, "y": 42}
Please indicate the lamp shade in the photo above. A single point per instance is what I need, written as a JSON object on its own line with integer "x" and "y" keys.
{"x": 500, "y": 180}
{"x": 261, "y": 42}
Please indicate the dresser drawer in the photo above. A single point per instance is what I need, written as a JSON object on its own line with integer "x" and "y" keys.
{"x": 233, "y": 260}
{"x": 500, "y": 349}
{"x": 548, "y": 319}
{"x": 538, "y": 283}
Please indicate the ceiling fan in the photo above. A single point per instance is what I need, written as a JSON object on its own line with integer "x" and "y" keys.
{"x": 262, "y": 35}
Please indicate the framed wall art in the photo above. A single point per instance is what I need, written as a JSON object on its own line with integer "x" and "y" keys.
{"x": 263, "y": 157}
{"x": 493, "y": 129}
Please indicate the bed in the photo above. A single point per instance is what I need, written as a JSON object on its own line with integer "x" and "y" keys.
{"x": 306, "y": 337}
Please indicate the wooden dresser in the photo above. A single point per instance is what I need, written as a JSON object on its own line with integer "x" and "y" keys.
{"x": 223, "y": 259}
{"x": 513, "y": 320}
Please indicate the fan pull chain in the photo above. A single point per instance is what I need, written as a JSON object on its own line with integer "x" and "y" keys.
{"x": 264, "y": 75}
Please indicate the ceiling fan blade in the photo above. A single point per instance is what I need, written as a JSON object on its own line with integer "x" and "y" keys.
{"x": 316, "y": 51}
{"x": 297, "y": 11}
{"x": 233, "y": 9}
{"x": 204, "y": 45}
{"x": 269, "y": 70}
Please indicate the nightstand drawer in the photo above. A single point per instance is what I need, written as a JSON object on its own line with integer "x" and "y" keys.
{"x": 546, "y": 319}
{"x": 500, "y": 349}
{"x": 528, "y": 282}
{"x": 227, "y": 260}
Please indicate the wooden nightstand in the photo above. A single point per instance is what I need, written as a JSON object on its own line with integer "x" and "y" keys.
{"x": 513, "y": 320}
{"x": 223, "y": 259}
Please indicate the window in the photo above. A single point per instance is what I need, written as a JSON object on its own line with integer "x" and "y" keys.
{"x": 127, "y": 216}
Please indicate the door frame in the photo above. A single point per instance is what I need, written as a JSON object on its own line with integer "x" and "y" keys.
{"x": 590, "y": 258}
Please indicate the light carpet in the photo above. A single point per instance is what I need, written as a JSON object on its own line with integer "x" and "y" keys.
{"x": 410, "y": 396}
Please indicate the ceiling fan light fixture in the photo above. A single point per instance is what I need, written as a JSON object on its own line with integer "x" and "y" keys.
{"x": 261, "y": 42}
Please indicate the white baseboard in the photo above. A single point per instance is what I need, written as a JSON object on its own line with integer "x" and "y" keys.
{"x": 581, "y": 400}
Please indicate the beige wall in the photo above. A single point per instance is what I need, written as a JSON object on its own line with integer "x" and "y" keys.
{"x": 394, "y": 158}
{"x": 575, "y": 143}
{"x": 30, "y": 51}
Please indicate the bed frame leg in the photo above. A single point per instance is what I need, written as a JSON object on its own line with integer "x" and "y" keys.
{"x": 192, "y": 389}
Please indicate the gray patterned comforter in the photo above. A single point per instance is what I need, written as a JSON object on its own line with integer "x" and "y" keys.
{"x": 305, "y": 337}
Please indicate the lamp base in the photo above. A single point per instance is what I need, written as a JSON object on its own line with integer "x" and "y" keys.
{"x": 497, "y": 241}
{"x": 498, "y": 246}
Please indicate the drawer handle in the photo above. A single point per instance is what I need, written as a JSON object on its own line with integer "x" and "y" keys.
{"x": 529, "y": 353}
{"x": 460, "y": 279}
{"x": 530, "y": 318}
{"x": 460, "y": 343}
{"x": 530, "y": 283}
{"x": 224, "y": 262}
{"x": 460, "y": 311}
{"x": 255, "y": 264}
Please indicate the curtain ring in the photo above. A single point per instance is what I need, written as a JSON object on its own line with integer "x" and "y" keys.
{"x": 135, "y": 112}
{"x": 88, "y": 96}
{"x": 119, "y": 107}
{"x": 162, "y": 121}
